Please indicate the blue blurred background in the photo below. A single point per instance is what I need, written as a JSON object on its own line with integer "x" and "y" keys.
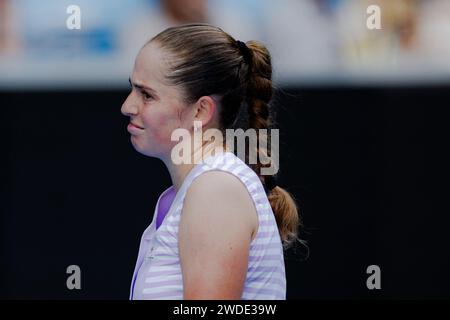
{"x": 312, "y": 41}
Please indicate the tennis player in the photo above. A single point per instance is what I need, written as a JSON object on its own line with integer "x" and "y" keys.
{"x": 220, "y": 231}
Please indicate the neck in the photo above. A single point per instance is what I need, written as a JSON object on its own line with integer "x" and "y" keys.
{"x": 178, "y": 172}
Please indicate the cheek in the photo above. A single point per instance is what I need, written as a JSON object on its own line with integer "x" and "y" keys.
{"x": 160, "y": 127}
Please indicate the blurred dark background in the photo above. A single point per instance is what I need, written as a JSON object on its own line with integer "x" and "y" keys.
{"x": 74, "y": 191}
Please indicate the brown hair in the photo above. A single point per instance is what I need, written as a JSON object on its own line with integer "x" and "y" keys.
{"x": 205, "y": 60}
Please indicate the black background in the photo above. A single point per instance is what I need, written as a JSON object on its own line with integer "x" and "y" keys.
{"x": 74, "y": 191}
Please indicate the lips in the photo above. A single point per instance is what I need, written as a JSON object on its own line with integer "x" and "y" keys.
{"x": 133, "y": 124}
{"x": 134, "y": 129}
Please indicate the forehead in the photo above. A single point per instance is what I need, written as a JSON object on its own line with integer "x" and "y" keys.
{"x": 150, "y": 67}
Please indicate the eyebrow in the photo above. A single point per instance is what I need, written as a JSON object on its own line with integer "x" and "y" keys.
{"x": 141, "y": 86}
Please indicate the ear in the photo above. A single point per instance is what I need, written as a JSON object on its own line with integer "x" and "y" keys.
{"x": 205, "y": 110}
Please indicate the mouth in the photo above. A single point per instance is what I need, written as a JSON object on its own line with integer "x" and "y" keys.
{"x": 135, "y": 125}
{"x": 134, "y": 129}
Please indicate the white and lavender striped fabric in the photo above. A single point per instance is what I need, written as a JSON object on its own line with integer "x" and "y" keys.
{"x": 158, "y": 274}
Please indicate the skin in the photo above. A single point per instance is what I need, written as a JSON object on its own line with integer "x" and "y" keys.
{"x": 214, "y": 235}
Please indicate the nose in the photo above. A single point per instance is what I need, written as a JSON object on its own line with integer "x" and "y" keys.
{"x": 129, "y": 107}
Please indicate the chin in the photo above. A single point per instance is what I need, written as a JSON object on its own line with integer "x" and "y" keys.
{"x": 136, "y": 145}
{"x": 146, "y": 151}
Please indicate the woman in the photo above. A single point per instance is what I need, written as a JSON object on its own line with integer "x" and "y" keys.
{"x": 215, "y": 233}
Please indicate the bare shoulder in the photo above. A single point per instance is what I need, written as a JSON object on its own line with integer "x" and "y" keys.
{"x": 214, "y": 236}
{"x": 221, "y": 195}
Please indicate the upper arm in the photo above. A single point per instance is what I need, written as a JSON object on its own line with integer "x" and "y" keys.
{"x": 214, "y": 237}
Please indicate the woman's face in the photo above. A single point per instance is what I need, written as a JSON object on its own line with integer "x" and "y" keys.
{"x": 156, "y": 108}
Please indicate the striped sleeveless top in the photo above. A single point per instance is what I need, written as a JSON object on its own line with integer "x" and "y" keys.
{"x": 158, "y": 274}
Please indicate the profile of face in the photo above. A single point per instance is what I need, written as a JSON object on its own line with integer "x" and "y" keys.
{"x": 155, "y": 108}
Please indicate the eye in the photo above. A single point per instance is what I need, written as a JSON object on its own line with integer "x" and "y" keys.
{"x": 146, "y": 95}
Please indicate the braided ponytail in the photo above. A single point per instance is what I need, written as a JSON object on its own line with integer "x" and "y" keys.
{"x": 258, "y": 93}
